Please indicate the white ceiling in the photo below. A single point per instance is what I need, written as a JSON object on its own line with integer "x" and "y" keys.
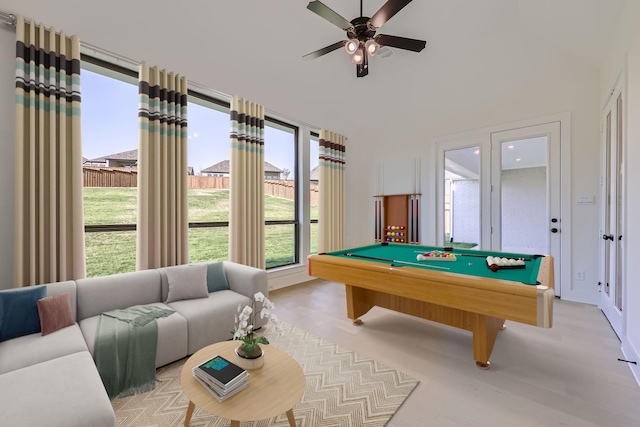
{"x": 254, "y": 49}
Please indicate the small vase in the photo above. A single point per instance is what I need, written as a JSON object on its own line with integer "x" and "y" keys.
{"x": 249, "y": 363}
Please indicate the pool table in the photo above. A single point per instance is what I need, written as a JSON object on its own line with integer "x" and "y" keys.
{"x": 464, "y": 292}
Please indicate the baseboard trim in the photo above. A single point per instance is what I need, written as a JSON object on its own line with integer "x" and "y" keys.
{"x": 630, "y": 353}
{"x": 288, "y": 277}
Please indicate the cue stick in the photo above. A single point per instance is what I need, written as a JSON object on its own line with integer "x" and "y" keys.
{"x": 392, "y": 261}
{"x": 477, "y": 255}
{"x": 484, "y": 256}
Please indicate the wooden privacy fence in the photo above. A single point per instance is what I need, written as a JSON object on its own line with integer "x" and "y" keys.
{"x": 123, "y": 177}
{"x": 110, "y": 177}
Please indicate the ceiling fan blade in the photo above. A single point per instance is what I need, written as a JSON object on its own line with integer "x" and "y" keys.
{"x": 400, "y": 42}
{"x": 324, "y": 50}
{"x": 362, "y": 69}
{"x": 325, "y": 12}
{"x": 386, "y": 12}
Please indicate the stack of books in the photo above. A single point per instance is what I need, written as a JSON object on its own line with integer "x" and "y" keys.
{"x": 220, "y": 377}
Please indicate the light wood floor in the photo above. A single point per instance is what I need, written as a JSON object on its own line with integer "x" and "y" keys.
{"x": 568, "y": 375}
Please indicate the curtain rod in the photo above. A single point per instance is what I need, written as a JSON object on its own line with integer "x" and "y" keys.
{"x": 11, "y": 19}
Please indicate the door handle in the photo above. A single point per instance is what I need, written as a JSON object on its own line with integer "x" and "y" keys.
{"x": 608, "y": 237}
{"x": 554, "y": 230}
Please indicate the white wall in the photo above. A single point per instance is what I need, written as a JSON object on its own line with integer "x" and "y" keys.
{"x": 7, "y": 142}
{"x": 626, "y": 57}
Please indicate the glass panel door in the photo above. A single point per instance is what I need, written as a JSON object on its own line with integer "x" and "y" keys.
{"x": 462, "y": 197}
{"x": 525, "y": 195}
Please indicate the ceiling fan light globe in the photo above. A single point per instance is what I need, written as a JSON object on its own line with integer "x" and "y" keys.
{"x": 372, "y": 47}
{"x": 358, "y": 57}
{"x": 351, "y": 46}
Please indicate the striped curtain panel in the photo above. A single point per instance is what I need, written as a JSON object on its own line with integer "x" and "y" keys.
{"x": 331, "y": 188}
{"x": 49, "y": 221}
{"x": 246, "y": 219}
{"x": 163, "y": 227}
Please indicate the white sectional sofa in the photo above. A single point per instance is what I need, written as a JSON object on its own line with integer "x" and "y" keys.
{"x": 51, "y": 380}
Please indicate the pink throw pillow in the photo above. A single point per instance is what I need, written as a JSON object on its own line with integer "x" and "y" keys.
{"x": 55, "y": 313}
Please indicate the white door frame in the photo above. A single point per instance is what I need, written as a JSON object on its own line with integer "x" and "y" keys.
{"x": 607, "y": 301}
{"x": 434, "y": 230}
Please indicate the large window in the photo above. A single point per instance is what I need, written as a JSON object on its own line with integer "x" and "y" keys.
{"x": 208, "y": 181}
{"x": 314, "y": 177}
{"x": 109, "y": 150}
{"x": 110, "y": 154}
{"x": 280, "y": 195}
{"x": 209, "y": 185}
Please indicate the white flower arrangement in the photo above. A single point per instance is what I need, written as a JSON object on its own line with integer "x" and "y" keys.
{"x": 244, "y": 323}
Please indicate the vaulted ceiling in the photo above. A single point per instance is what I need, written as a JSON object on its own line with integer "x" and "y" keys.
{"x": 254, "y": 49}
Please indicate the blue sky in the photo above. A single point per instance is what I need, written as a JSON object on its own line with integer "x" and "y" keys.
{"x": 110, "y": 125}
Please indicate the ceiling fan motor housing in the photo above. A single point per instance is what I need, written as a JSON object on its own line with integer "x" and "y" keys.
{"x": 362, "y": 29}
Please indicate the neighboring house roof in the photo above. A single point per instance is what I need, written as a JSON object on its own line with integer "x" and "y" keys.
{"x": 315, "y": 174}
{"x": 268, "y": 167}
{"x": 125, "y": 155}
{"x": 223, "y": 167}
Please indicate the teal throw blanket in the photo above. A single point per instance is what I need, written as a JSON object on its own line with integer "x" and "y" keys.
{"x": 125, "y": 349}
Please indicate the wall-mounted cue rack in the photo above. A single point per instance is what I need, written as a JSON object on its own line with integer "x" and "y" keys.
{"x": 397, "y": 218}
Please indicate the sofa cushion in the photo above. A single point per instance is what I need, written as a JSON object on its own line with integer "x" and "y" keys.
{"x": 99, "y": 294}
{"x": 68, "y": 287}
{"x": 63, "y": 392}
{"x": 55, "y": 313}
{"x": 19, "y": 312}
{"x": 187, "y": 282}
{"x": 210, "y": 320}
{"x": 216, "y": 278}
{"x": 172, "y": 336}
{"x": 35, "y": 348}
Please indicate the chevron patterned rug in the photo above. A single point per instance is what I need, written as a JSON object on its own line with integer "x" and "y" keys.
{"x": 344, "y": 389}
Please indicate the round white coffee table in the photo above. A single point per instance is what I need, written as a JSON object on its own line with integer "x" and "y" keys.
{"x": 274, "y": 389}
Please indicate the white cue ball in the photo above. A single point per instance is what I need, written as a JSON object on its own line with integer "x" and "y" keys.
{"x": 520, "y": 262}
{"x": 420, "y": 257}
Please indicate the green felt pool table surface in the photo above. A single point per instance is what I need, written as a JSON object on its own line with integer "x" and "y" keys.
{"x": 469, "y": 262}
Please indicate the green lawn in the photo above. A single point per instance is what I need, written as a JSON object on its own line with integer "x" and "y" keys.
{"x": 115, "y": 252}
{"x": 459, "y": 245}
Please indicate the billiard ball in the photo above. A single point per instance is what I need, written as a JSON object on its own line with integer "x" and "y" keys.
{"x": 420, "y": 257}
{"x": 494, "y": 267}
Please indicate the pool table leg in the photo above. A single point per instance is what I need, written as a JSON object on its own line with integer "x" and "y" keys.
{"x": 357, "y": 303}
{"x": 485, "y": 331}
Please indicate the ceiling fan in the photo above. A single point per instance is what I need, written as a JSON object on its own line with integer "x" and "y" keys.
{"x": 362, "y": 40}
